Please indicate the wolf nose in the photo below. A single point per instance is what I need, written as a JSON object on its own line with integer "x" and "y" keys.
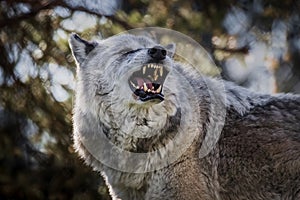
{"x": 157, "y": 53}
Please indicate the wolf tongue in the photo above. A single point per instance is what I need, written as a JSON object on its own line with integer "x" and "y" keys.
{"x": 141, "y": 81}
{"x": 149, "y": 85}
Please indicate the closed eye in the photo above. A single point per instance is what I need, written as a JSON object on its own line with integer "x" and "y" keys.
{"x": 132, "y": 51}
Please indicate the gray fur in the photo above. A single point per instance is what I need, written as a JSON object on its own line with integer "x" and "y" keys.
{"x": 256, "y": 157}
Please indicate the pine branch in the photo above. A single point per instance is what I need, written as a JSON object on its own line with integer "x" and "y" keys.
{"x": 44, "y": 5}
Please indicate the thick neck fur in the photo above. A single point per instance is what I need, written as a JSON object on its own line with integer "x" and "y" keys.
{"x": 155, "y": 124}
{"x": 194, "y": 110}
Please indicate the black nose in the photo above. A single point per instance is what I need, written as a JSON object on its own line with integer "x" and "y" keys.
{"x": 157, "y": 53}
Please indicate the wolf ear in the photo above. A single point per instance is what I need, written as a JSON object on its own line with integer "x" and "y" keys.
{"x": 80, "y": 48}
{"x": 171, "y": 49}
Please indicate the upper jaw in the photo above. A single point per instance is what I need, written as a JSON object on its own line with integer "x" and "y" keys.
{"x": 147, "y": 82}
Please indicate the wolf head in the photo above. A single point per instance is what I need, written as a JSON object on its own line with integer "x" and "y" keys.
{"x": 130, "y": 93}
{"x": 123, "y": 82}
{"x": 136, "y": 66}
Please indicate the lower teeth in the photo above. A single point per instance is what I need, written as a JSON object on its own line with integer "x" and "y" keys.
{"x": 146, "y": 89}
{"x": 158, "y": 89}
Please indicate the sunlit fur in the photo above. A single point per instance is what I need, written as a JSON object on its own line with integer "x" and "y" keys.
{"x": 257, "y": 155}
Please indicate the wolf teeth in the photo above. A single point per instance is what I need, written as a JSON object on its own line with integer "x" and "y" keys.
{"x": 158, "y": 89}
{"x": 161, "y": 71}
{"x": 145, "y": 87}
{"x": 158, "y": 70}
{"x": 155, "y": 74}
{"x": 153, "y": 66}
{"x": 134, "y": 85}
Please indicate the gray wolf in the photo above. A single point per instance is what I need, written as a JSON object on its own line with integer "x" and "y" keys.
{"x": 132, "y": 98}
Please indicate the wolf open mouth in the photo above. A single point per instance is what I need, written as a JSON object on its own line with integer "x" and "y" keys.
{"x": 147, "y": 83}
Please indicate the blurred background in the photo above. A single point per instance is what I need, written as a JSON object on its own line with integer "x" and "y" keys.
{"x": 255, "y": 43}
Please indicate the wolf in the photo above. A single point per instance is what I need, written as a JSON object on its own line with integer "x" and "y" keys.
{"x": 141, "y": 119}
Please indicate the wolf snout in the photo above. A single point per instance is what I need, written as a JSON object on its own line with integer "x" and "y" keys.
{"x": 157, "y": 53}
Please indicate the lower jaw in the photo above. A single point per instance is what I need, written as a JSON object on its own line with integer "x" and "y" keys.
{"x": 146, "y": 96}
{"x": 157, "y": 97}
